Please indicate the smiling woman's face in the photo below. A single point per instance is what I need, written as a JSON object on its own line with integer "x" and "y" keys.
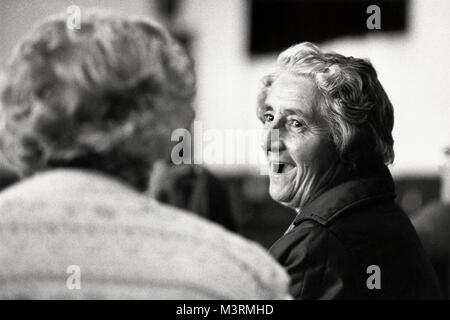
{"x": 302, "y": 152}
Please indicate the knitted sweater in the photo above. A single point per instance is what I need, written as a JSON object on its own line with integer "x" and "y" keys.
{"x": 72, "y": 234}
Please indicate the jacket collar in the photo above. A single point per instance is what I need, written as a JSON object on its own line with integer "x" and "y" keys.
{"x": 354, "y": 192}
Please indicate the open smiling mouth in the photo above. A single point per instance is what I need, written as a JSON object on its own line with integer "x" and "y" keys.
{"x": 281, "y": 167}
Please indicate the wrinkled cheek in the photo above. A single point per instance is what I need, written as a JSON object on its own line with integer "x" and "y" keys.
{"x": 301, "y": 186}
{"x": 304, "y": 174}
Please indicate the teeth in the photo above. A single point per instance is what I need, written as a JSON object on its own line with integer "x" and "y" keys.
{"x": 274, "y": 167}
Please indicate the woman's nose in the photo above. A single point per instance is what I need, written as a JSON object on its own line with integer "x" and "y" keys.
{"x": 272, "y": 141}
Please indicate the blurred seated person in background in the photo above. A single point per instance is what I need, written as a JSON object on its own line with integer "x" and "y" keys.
{"x": 194, "y": 188}
{"x": 84, "y": 115}
{"x": 328, "y": 123}
{"x": 432, "y": 224}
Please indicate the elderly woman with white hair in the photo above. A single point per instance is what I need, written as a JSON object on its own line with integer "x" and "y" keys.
{"x": 327, "y": 122}
{"x": 84, "y": 115}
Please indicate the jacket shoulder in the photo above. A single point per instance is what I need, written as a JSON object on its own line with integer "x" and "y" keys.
{"x": 317, "y": 261}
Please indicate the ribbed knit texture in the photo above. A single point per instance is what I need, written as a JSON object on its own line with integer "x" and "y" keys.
{"x": 126, "y": 245}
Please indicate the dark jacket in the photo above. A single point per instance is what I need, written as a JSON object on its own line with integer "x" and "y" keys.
{"x": 350, "y": 227}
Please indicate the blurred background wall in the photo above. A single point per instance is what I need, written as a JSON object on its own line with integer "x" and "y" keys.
{"x": 413, "y": 65}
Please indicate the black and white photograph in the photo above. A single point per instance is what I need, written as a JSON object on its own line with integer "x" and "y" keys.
{"x": 249, "y": 152}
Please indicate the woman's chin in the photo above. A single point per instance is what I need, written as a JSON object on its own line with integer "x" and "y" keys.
{"x": 281, "y": 193}
{"x": 282, "y": 186}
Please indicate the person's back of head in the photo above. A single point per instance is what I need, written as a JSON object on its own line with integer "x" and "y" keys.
{"x": 105, "y": 96}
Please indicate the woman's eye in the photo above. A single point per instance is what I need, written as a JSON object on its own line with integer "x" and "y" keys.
{"x": 296, "y": 124}
{"x": 268, "y": 117}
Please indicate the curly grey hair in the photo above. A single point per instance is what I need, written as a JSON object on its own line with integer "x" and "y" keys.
{"x": 113, "y": 89}
{"x": 353, "y": 102}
